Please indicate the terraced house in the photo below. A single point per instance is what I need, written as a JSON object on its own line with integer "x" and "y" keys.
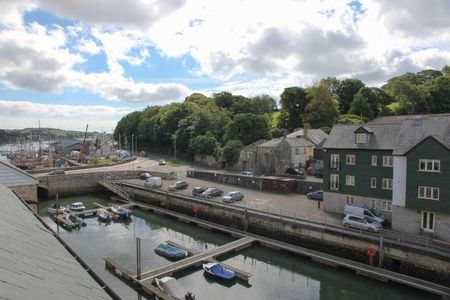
{"x": 399, "y": 165}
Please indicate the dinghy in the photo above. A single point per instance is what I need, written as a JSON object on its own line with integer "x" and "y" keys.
{"x": 218, "y": 270}
{"x": 170, "y": 251}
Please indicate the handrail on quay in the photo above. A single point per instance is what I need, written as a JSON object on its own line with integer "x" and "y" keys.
{"x": 424, "y": 244}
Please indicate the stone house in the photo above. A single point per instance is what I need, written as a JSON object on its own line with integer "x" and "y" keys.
{"x": 399, "y": 165}
{"x": 276, "y": 155}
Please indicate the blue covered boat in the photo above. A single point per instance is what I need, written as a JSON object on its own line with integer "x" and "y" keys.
{"x": 170, "y": 251}
{"x": 218, "y": 270}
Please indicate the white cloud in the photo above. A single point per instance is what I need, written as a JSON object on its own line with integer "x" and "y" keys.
{"x": 28, "y": 108}
{"x": 88, "y": 46}
{"x": 131, "y": 13}
{"x": 12, "y": 11}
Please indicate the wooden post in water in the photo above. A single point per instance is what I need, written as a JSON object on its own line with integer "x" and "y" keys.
{"x": 138, "y": 258}
{"x": 57, "y": 206}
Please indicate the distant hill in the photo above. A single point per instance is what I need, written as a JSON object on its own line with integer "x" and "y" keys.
{"x": 32, "y": 134}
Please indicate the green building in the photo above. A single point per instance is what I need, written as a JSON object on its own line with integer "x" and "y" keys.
{"x": 399, "y": 165}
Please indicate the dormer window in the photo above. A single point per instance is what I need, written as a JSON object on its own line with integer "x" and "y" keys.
{"x": 361, "y": 138}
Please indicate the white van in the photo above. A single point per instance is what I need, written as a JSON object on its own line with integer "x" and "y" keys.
{"x": 363, "y": 211}
{"x": 153, "y": 182}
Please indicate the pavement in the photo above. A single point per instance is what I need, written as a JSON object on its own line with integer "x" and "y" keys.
{"x": 292, "y": 205}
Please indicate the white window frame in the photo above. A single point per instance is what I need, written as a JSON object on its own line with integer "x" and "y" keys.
{"x": 242, "y": 154}
{"x": 427, "y": 221}
{"x": 350, "y": 159}
{"x": 350, "y": 200}
{"x": 385, "y": 184}
{"x": 334, "y": 182}
{"x": 374, "y": 160}
{"x": 334, "y": 161}
{"x": 350, "y": 180}
{"x": 361, "y": 138}
{"x": 432, "y": 163}
{"x": 374, "y": 203}
{"x": 423, "y": 191}
{"x": 388, "y": 161}
{"x": 373, "y": 182}
{"x": 386, "y": 205}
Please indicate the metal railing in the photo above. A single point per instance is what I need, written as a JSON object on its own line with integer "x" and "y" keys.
{"x": 320, "y": 223}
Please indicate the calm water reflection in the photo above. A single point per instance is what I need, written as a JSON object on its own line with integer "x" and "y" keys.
{"x": 276, "y": 275}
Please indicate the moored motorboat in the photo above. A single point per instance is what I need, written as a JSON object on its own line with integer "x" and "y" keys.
{"x": 121, "y": 212}
{"x": 74, "y": 221}
{"x": 218, "y": 270}
{"x": 56, "y": 209}
{"x": 103, "y": 215}
{"x": 170, "y": 251}
{"x": 76, "y": 206}
{"x": 173, "y": 288}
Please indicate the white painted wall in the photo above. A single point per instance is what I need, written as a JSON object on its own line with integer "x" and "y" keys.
{"x": 399, "y": 181}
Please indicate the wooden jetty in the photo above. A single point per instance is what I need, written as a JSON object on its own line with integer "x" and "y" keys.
{"x": 195, "y": 259}
{"x": 61, "y": 218}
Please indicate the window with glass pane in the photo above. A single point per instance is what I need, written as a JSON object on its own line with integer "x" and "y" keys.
{"x": 374, "y": 160}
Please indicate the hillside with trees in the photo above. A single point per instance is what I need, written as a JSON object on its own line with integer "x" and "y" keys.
{"x": 221, "y": 124}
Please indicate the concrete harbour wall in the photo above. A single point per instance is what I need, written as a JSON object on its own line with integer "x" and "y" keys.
{"x": 408, "y": 261}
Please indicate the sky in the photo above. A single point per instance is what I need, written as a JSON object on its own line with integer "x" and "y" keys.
{"x": 76, "y": 62}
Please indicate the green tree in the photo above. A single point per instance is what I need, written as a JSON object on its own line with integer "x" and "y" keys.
{"x": 349, "y": 119}
{"x": 346, "y": 90}
{"x": 204, "y": 144}
{"x": 361, "y": 107}
{"x": 322, "y": 110}
{"x": 446, "y": 70}
{"x": 282, "y": 119}
{"x": 293, "y": 101}
{"x": 199, "y": 99}
{"x": 411, "y": 98}
{"x": 371, "y": 98}
{"x": 127, "y": 126}
{"x": 439, "y": 95}
{"x": 231, "y": 151}
{"x": 248, "y": 128}
{"x": 223, "y": 99}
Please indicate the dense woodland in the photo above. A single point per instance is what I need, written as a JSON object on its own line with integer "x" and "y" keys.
{"x": 221, "y": 124}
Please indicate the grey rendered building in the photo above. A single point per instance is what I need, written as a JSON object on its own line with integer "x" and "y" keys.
{"x": 399, "y": 164}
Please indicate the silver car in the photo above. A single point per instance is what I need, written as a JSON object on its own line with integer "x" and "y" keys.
{"x": 361, "y": 223}
{"x": 233, "y": 196}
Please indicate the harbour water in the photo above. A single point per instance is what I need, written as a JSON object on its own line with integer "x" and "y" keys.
{"x": 276, "y": 275}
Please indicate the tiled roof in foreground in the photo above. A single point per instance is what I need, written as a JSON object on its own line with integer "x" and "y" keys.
{"x": 33, "y": 264}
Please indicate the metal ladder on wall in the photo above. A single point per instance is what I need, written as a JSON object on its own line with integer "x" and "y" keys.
{"x": 117, "y": 189}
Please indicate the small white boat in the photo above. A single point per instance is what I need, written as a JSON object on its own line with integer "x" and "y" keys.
{"x": 103, "y": 215}
{"x": 74, "y": 221}
{"x": 121, "y": 212}
{"x": 56, "y": 209}
{"x": 219, "y": 271}
{"x": 77, "y": 206}
{"x": 173, "y": 288}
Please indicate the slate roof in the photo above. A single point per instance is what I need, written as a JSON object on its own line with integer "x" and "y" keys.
{"x": 33, "y": 264}
{"x": 399, "y": 133}
{"x": 411, "y": 134}
{"x": 384, "y": 137}
{"x": 10, "y": 175}
{"x": 271, "y": 143}
{"x": 316, "y": 136}
{"x": 299, "y": 142}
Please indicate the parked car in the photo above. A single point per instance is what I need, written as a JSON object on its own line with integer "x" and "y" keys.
{"x": 179, "y": 185}
{"x": 361, "y": 223}
{"x": 246, "y": 174}
{"x": 162, "y": 162}
{"x": 211, "y": 192}
{"x": 363, "y": 211}
{"x": 294, "y": 171}
{"x": 57, "y": 172}
{"x": 318, "y": 195}
{"x": 233, "y": 196}
{"x": 153, "y": 182}
{"x": 144, "y": 175}
{"x": 196, "y": 191}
